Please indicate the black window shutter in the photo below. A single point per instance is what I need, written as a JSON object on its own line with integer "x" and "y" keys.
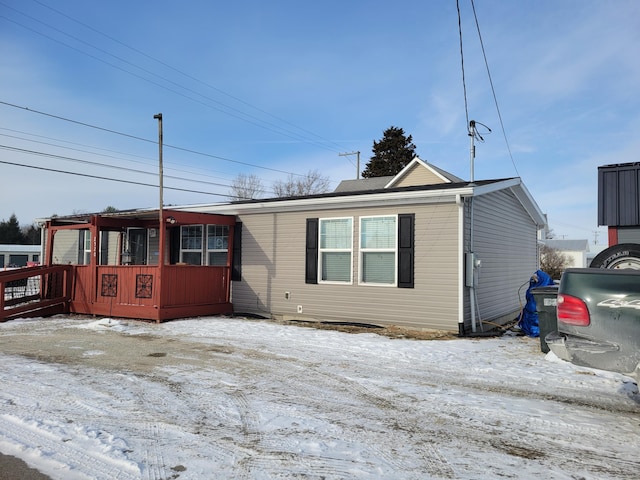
{"x": 406, "y": 235}
{"x": 174, "y": 246}
{"x": 236, "y": 266}
{"x": 311, "y": 259}
{"x": 81, "y": 247}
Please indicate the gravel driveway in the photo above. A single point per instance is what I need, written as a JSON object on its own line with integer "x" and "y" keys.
{"x": 238, "y": 398}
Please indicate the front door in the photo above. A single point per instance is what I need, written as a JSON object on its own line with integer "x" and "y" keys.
{"x": 138, "y": 246}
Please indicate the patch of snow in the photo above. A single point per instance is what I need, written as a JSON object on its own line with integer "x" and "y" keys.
{"x": 237, "y": 398}
{"x": 106, "y": 323}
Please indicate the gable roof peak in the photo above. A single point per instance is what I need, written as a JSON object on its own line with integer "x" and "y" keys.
{"x": 417, "y": 172}
{"x": 437, "y": 175}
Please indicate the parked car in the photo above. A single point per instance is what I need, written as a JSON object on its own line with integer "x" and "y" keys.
{"x": 598, "y": 312}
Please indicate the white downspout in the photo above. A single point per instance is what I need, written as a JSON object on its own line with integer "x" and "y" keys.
{"x": 461, "y": 263}
{"x": 471, "y": 269}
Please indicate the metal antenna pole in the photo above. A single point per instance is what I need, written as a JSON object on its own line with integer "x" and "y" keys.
{"x": 472, "y": 147}
{"x": 358, "y": 162}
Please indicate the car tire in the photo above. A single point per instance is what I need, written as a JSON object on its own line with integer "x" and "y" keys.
{"x": 625, "y": 255}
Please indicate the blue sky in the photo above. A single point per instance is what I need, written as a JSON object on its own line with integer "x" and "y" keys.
{"x": 269, "y": 88}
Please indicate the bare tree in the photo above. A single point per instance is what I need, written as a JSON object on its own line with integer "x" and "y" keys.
{"x": 294, "y": 186}
{"x": 246, "y": 187}
{"x": 553, "y": 262}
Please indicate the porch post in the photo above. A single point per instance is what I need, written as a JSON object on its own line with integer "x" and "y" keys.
{"x": 48, "y": 243}
{"x": 93, "y": 262}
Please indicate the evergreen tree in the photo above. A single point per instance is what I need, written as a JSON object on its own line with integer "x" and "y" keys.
{"x": 31, "y": 234}
{"x": 10, "y": 232}
{"x": 391, "y": 154}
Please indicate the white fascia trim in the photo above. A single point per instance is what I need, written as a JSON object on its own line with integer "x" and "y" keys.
{"x": 409, "y": 166}
{"x": 530, "y": 205}
{"x": 332, "y": 203}
{"x": 521, "y": 193}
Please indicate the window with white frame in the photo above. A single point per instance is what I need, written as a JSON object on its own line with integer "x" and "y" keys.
{"x": 378, "y": 247}
{"x": 86, "y": 247}
{"x": 336, "y": 245}
{"x": 217, "y": 244}
{"x": 191, "y": 244}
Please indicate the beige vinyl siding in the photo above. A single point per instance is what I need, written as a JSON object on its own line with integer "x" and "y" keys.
{"x": 505, "y": 241}
{"x": 109, "y": 241}
{"x": 273, "y": 263}
{"x": 418, "y": 175}
{"x": 65, "y": 247}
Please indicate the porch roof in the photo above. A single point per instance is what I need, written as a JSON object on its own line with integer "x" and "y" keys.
{"x": 141, "y": 217}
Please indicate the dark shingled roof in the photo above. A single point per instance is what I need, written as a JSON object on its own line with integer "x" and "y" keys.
{"x": 374, "y": 183}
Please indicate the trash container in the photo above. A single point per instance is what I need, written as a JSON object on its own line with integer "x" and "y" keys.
{"x": 546, "y": 302}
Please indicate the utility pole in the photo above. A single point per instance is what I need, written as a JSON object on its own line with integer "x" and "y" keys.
{"x": 358, "y": 162}
{"x": 159, "y": 118}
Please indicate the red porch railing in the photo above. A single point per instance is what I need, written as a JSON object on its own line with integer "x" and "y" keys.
{"x": 134, "y": 291}
{"x": 131, "y": 264}
{"x": 35, "y": 291}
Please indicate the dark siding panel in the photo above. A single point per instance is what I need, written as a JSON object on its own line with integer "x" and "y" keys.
{"x": 311, "y": 270}
{"x": 628, "y": 193}
{"x": 406, "y": 242}
{"x": 618, "y": 199}
{"x": 80, "y": 247}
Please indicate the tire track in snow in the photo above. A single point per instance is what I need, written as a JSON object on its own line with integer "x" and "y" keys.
{"x": 250, "y": 451}
{"x": 154, "y": 465}
{"x": 395, "y": 413}
{"x": 63, "y": 451}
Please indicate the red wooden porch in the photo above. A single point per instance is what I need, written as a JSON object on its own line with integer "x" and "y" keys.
{"x": 145, "y": 264}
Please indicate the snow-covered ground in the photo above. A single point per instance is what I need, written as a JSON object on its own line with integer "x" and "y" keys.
{"x": 248, "y": 399}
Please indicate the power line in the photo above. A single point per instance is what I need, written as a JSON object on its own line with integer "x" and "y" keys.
{"x": 131, "y": 182}
{"x": 115, "y": 132}
{"x": 252, "y": 119}
{"x": 464, "y": 83}
{"x": 150, "y": 161}
{"x": 493, "y": 91}
{"x": 191, "y": 77}
{"x": 104, "y": 165}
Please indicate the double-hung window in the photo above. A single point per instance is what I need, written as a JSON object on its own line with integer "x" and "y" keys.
{"x": 85, "y": 248}
{"x": 204, "y": 246}
{"x": 217, "y": 244}
{"x": 336, "y": 245}
{"x": 191, "y": 244}
{"x": 378, "y": 250}
{"x": 386, "y": 247}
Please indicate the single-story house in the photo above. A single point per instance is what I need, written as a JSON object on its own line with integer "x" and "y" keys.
{"x": 18, "y": 255}
{"x": 575, "y": 251}
{"x": 423, "y": 249}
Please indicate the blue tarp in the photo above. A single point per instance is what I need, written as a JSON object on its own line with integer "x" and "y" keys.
{"x": 529, "y": 319}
